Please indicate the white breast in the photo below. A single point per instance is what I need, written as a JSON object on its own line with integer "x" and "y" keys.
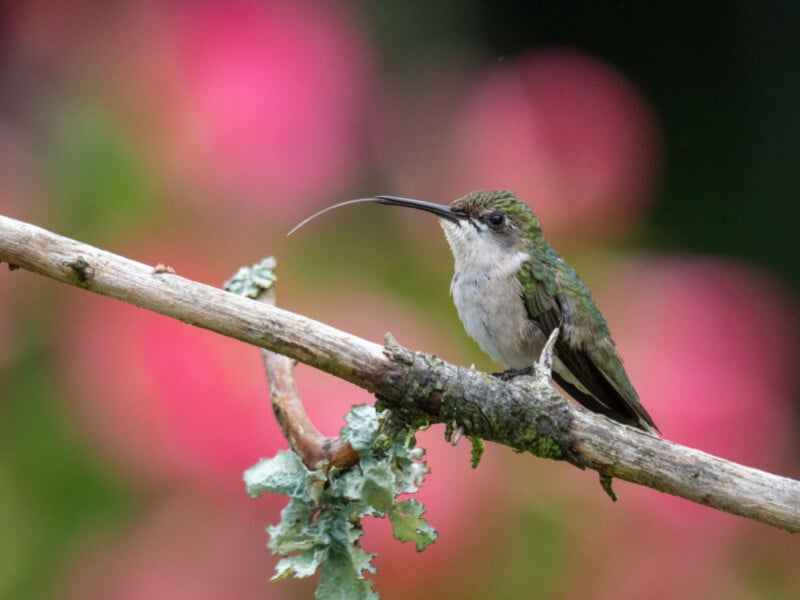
{"x": 488, "y": 296}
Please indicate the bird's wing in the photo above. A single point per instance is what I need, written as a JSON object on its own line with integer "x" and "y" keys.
{"x": 593, "y": 373}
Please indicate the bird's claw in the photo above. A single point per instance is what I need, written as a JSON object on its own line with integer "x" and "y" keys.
{"x": 510, "y": 374}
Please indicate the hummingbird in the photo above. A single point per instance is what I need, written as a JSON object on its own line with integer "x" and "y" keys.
{"x": 512, "y": 289}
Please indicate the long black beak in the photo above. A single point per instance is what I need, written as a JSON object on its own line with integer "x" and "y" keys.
{"x": 440, "y": 210}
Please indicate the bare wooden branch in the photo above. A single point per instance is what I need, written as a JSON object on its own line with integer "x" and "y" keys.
{"x": 526, "y": 414}
{"x": 303, "y": 436}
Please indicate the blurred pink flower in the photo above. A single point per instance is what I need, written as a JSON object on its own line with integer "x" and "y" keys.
{"x": 243, "y": 105}
{"x": 189, "y": 545}
{"x": 568, "y": 133}
{"x": 708, "y": 344}
{"x": 164, "y": 399}
{"x": 273, "y": 94}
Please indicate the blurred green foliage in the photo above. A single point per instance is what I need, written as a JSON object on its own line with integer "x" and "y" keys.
{"x": 59, "y": 490}
{"x": 98, "y": 174}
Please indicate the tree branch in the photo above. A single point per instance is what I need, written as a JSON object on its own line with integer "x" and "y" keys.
{"x": 526, "y": 414}
{"x": 303, "y": 436}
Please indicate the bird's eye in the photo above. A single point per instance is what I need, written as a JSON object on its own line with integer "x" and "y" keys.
{"x": 495, "y": 220}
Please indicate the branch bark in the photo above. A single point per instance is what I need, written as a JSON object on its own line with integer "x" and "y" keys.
{"x": 304, "y": 438}
{"x": 526, "y": 414}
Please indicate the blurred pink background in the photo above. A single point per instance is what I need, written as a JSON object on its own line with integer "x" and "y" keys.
{"x": 196, "y": 134}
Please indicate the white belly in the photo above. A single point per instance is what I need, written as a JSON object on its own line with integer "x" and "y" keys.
{"x": 493, "y": 312}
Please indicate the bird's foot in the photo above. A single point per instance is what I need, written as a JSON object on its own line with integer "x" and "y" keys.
{"x": 512, "y": 373}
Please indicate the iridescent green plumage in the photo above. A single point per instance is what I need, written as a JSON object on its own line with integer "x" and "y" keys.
{"x": 588, "y": 366}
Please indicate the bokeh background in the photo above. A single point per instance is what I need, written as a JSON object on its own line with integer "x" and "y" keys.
{"x": 659, "y": 146}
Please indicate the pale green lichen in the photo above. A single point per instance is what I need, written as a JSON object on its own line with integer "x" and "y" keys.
{"x": 251, "y": 282}
{"x": 321, "y": 526}
{"x": 477, "y": 451}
